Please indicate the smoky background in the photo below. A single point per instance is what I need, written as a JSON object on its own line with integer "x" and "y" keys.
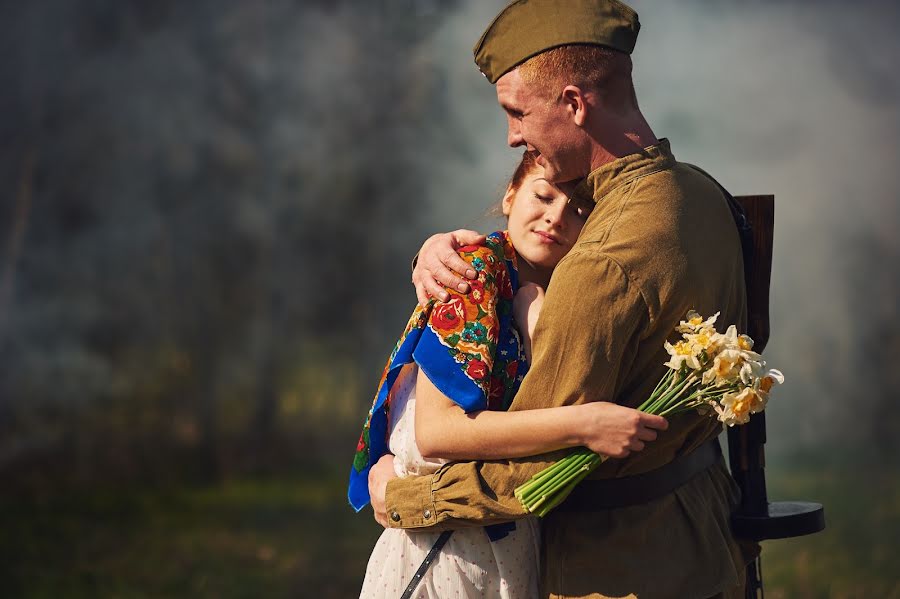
{"x": 207, "y": 214}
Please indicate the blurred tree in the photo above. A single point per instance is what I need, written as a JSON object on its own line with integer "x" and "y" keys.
{"x": 215, "y": 193}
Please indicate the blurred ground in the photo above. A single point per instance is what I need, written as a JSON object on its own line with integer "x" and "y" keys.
{"x": 295, "y": 537}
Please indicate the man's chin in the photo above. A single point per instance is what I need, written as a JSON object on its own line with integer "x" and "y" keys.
{"x": 559, "y": 178}
{"x": 568, "y": 186}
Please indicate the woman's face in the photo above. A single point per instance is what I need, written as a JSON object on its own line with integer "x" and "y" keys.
{"x": 542, "y": 224}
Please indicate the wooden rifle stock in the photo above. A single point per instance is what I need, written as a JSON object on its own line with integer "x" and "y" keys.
{"x": 757, "y": 519}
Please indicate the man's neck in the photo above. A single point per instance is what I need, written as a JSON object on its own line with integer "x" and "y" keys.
{"x": 621, "y": 137}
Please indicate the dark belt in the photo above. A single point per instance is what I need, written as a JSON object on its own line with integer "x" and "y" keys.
{"x": 602, "y": 494}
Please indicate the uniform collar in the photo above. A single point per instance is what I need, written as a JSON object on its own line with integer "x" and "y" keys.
{"x": 611, "y": 175}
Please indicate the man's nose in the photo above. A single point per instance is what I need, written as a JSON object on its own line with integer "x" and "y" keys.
{"x": 514, "y": 133}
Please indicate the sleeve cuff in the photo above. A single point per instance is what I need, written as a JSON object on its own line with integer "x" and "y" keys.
{"x": 409, "y": 502}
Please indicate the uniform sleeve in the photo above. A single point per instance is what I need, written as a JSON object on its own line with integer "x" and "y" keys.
{"x": 588, "y": 333}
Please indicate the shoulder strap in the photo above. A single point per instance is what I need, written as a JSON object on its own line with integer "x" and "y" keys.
{"x": 745, "y": 230}
{"x": 426, "y": 563}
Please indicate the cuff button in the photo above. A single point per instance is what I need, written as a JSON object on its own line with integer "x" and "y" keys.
{"x": 427, "y": 514}
{"x": 395, "y": 516}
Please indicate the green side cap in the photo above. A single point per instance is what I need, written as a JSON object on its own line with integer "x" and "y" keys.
{"x": 528, "y": 27}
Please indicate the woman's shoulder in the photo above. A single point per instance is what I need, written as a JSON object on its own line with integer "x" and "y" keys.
{"x": 494, "y": 262}
{"x": 494, "y": 252}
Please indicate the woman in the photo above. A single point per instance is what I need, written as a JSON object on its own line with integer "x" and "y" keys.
{"x": 446, "y": 387}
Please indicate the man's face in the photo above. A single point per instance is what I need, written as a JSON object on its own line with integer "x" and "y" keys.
{"x": 545, "y": 128}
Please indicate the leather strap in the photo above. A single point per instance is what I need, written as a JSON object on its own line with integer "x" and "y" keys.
{"x": 745, "y": 230}
{"x": 602, "y": 494}
{"x": 426, "y": 563}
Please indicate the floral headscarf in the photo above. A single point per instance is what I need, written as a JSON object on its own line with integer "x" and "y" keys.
{"x": 467, "y": 346}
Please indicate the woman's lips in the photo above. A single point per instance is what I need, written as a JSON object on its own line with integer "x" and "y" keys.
{"x": 546, "y": 237}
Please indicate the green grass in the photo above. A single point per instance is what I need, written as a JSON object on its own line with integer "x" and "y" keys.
{"x": 297, "y": 537}
{"x": 856, "y": 556}
{"x": 246, "y": 538}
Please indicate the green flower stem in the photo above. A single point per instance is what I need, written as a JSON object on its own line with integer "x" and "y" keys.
{"x": 527, "y": 490}
{"x": 546, "y": 472}
{"x": 546, "y": 487}
{"x": 551, "y": 500}
{"x": 573, "y": 463}
{"x": 561, "y": 495}
{"x": 585, "y": 464}
{"x": 537, "y": 481}
{"x": 688, "y": 393}
{"x": 664, "y": 383}
{"x": 667, "y": 398}
{"x": 681, "y": 408}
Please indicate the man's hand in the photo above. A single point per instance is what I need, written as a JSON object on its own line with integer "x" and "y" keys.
{"x": 379, "y": 475}
{"x": 615, "y": 431}
{"x": 439, "y": 265}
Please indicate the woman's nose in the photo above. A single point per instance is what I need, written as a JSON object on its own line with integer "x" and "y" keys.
{"x": 555, "y": 213}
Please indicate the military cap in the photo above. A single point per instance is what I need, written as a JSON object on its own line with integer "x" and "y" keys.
{"x": 528, "y": 27}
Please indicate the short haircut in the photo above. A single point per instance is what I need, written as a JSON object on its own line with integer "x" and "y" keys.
{"x": 595, "y": 68}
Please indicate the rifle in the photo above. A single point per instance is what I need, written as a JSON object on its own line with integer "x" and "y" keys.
{"x": 757, "y": 519}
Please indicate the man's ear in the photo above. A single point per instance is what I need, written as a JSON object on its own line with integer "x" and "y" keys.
{"x": 575, "y": 102}
{"x": 506, "y": 202}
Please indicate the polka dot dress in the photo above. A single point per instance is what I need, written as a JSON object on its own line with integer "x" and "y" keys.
{"x": 469, "y": 565}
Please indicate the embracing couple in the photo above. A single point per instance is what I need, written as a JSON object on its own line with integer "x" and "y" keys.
{"x": 550, "y": 335}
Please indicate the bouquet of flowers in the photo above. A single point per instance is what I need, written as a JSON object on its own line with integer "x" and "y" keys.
{"x": 715, "y": 373}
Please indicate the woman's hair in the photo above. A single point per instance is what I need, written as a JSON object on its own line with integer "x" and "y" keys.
{"x": 526, "y": 165}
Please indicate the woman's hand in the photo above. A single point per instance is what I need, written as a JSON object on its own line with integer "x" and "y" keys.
{"x": 527, "y": 306}
{"x": 615, "y": 431}
{"x": 438, "y": 265}
{"x": 380, "y": 473}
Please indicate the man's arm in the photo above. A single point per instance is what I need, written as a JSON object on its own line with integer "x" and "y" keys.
{"x": 592, "y": 320}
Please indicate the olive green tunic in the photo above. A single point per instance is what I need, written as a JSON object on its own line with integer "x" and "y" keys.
{"x": 660, "y": 241}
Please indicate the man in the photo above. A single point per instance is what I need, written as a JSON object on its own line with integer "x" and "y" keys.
{"x": 659, "y": 242}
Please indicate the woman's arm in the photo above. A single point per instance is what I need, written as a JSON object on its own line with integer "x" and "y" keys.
{"x": 444, "y": 430}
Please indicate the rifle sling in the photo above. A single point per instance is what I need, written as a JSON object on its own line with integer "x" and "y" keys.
{"x": 426, "y": 563}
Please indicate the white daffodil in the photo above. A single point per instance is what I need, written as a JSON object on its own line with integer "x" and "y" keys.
{"x": 706, "y": 341}
{"x": 725, "y": 368}
{"x": 695, "y": 322}
{"x": 732, "y": 340}
{"x": 735, "y": 408}
{"x": 752, "y": 370}
{"x": 750, "y": 400}
{"x": 682, "y": 354}
{"x": 724, "y": 410}
{"x": 770, "y": 379}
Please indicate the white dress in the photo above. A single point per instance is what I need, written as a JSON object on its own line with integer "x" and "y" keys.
{"x": 470, "y": 564}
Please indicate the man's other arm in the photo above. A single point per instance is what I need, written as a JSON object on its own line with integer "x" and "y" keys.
{"x": 592, "y": 320}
